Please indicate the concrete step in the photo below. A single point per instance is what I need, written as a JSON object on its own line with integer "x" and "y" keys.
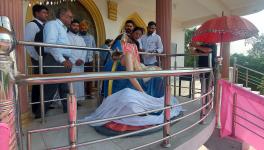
{"x": 256, "y": 92}
{"x": 240, "y": 85}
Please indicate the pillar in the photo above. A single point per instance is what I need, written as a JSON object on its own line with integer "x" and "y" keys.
{"x": 225, "y": 50}
{"x": 13, "y": 9}
{"x": 163, "y": 19}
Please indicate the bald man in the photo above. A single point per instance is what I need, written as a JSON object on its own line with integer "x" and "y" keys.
{"x": 90, "y": 42}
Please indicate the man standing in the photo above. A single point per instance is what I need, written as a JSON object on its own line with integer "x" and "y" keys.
{"x": 79, "y": 57}
{"x": 90, "y": 42}
{"x": 151, "y": 43}
{"x": 55, "y": 32}
{"x": 129, "y": 27}
{"x": 34, "y": 27}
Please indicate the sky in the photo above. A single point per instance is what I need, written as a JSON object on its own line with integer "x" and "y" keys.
{"x": 241, "y": 46}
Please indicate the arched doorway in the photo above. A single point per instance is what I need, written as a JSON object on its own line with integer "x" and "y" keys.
{"x": 86, "y": 9}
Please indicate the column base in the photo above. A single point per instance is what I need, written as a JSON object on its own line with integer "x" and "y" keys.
{"x": 26, "y": 118}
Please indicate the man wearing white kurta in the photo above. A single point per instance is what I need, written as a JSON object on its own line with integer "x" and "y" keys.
{"x": 79, "y": 57}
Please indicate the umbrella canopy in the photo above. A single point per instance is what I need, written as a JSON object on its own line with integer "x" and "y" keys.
{"x": 225, "y": 29}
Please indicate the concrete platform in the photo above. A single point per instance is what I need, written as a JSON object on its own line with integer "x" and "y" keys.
{"x": 191, "y": 139}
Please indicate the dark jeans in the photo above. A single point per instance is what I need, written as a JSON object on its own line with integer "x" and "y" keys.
{"x": 35, "y": 92}
{"x": 50, "y": 89}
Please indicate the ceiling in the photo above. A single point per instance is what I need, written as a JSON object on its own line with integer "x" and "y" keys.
{"x": 187, "y": 13}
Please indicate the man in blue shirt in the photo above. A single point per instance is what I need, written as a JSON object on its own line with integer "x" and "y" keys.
{"x": 55, "y": 32}
{"x": 90, "y": 42}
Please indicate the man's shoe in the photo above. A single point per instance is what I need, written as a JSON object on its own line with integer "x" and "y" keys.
{"x": 51, "y": 107}
{"x": 37, "y": 116}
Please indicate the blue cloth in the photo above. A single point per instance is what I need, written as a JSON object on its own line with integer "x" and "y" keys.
{"x": 117, "y": 46}
{"x": 154, "y": 87}
{"x": 55, "y": 32}
{"x": 104, "y": 55}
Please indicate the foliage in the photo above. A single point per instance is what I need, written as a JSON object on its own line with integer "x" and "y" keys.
{"x": 248, "y": 61}
{"x": 261, "y": 86}
{"x": 188, "y": 60}
{"x": 255, "y": 61}
{"x": 257, "y": 50}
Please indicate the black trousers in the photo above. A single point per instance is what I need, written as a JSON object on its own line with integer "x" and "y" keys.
{"x": 50, "y": 89}
{"x": 35, "y": 93}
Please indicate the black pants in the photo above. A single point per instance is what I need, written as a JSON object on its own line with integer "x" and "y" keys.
{"x": 50, "y": 89}
{"x": 35, "y": 93}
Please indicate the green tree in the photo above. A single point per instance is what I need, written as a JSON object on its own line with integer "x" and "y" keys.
{"x": 254, "y": 60}
{"x": 188, "y": 60}
{"x": 261, "y": 86}
{"x": 257, "y": 50}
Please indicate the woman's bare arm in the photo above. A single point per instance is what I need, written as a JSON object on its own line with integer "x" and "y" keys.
{"x": 130, "y": 67}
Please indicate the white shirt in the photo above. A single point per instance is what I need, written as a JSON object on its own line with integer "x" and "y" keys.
{"x": 151, "y": 43}
{"x": 55, "y": 32}
{"x": 30, "y": 32}
{"x": 77, "y": 40}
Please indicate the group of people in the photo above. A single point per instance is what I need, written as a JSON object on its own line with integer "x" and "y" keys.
{"x": 68, "y": 31}
{"x": 63, "y": 30}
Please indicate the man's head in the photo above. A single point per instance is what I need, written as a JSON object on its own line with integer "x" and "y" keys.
{"x": 129, "y": 26}
{"x": 137, "y": 33}
{"x": 84, "y": 26}
{"x": 151, "y": 27}
{"x": 75, "y": 26}
{"x": 40, "y": 12}
{"x": 65, "y": 15}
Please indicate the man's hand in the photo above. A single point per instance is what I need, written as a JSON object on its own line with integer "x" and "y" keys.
{"x": 67, "y": 64}
{"x": 79, "y": 62}
{"x": 153, "y": 51}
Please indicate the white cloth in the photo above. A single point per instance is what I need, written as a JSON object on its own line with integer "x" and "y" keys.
{"x": 30, "y": 32}
{"x": 149, "y": 44}
{"x": 128, "y": 101}
{"x": 77, "y": 54}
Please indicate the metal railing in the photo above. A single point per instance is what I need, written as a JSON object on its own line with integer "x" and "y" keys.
{"x": 96, "y": 66}
{"x": 248, "y": 77}
{"x": 8, "y": 42}
{"x": 44, "y": 79}
{"x": 73, "y": 77}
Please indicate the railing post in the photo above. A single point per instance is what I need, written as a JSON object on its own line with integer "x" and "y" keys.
{"x": 72, "y": 111}
{"x": 42, "y": 104}
{"x": 203, "y": 100}
{"x": 234, "y": 70}
{"x": 166, "y": 128}
{"x": 234, "y": 115}
{"x": 99, "y": 81}
{"x": 193, "y": 78}
{"x": 29, "y": 141}
{"x": 94, "y": 67}
{"x": 247, "y": 78}
{"x": 174, "y": 79}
